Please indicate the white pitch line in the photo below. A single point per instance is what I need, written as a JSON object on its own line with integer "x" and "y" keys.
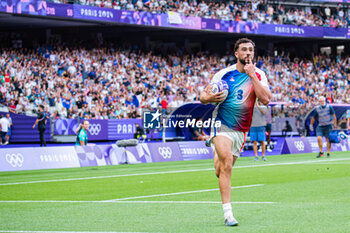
{"x": 67, "y": 232}
{"x": 123, "y": 200}
{"x": 196, "y": 202}
{"x": 101, "y": 177}
{"x": 144, "y": 202}
{"x": 179, "y": 193}
{"x": 170, "y": 172}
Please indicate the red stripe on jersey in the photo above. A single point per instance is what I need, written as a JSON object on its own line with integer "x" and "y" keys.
{"x": 243, "y": 143}
{"x": 258, "y": 75}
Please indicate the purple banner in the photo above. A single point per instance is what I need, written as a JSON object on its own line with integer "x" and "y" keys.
{"x": 15, "y": 159}
{"x": 38, "y": 158}
{"x": 182, "y": 22}
{"x": 122, "y": 128}
{"x": 98, "y": 130}
{"x": 171, "y": 19}
{"x": 230, "y": 26}
{"x": 32, "y": 7}
{"x": 164, "y": 152}
{"x": 194, "y": 150}
{"x": 94, "y": 13}
{"x": 335, "y": 32}
{"x": 327, "y": 1}
{"x": 296, "y": 145}
{"x": 112, "y": 129}
{"x": 140, "y": 18}
{"x": 276, "y": 143}
{"x": 310, "y": 145}
{"x": 132, "y": 155}
{"x": 290, "y": 30}
{"x": 60, "y": 10}
{"x": 66, "y": 127}
{"x": 142, "y": 153}
{"x": 94, "y": 155}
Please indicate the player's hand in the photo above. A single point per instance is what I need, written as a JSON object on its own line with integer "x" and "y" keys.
{"x": 33, "y": 126}
{"x": 249, "y": 68}
{"x": 208, "y": 96}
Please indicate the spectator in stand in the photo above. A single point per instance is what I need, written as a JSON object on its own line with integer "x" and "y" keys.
{"x": 164, "y": 104}
{"x": 5, "y": 125}
{"x": 128, "y": 80}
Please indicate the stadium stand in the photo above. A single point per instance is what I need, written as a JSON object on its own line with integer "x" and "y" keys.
{"x": 261, "y": 11}
{"x": 90, "y": 72}
{"x": 113, "y": 83}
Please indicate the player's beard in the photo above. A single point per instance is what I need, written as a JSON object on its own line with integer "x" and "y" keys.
{"x": 243, "y": 60}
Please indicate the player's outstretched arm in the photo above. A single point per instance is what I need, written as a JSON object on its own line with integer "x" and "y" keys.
{"x": 208, "y": 97}
{"x": 262, "y": 92}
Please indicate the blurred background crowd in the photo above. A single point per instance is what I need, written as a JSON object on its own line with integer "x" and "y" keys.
{"x": 104, "y": 83}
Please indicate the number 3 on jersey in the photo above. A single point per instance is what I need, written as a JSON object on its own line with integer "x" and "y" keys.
{"x": 240, "y": 94}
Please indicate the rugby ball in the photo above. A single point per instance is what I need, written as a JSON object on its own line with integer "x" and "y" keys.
{"x": 219, "y": 87}
{"x": 342, "y": 135}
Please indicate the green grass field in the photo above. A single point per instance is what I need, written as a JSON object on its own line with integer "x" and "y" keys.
{"x": 288, "y": 193}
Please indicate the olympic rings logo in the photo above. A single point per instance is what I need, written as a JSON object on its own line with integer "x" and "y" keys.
{"x": 299, "y": 145}
{"x": 15, "y": 160}
{"x": 165, "y": 152}
{"x": 95, "y": 129}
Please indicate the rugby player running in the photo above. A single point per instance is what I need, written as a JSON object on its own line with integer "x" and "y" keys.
{"x": 246, "y": 84}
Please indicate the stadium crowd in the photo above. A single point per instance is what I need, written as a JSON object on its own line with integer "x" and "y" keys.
{"x": 107, "y": 83}
{"x": 253, "y": 10}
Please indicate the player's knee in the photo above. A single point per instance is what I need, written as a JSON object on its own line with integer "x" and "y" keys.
{"x": 226, "y": 166}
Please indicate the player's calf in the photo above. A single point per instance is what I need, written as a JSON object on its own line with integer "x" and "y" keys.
{"x": 216, "y": 165}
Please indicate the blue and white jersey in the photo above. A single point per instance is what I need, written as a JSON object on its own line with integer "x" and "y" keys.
{"x": 237, "y": 110}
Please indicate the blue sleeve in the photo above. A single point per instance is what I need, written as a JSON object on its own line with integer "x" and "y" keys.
{"x": 314, "y": 114}
{"x": 331, "y": 110}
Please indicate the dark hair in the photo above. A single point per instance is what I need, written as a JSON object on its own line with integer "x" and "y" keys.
{"x": 242, "y": 41}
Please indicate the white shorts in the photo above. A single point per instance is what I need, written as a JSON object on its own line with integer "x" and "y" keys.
{"x": 238, "y": 138}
